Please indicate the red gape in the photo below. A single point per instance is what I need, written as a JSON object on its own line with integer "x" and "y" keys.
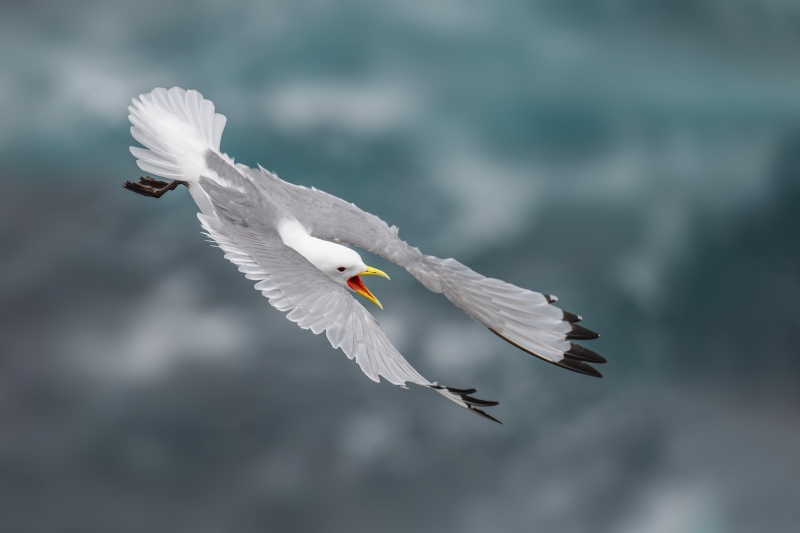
{"x": 356, "y": 284}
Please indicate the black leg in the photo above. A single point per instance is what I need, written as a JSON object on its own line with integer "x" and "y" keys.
{"x": 147, "y": 180}
{"x": 147, "y": 186}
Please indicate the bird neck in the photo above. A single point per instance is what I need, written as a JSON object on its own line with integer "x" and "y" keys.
{"x": 317, "y": 251}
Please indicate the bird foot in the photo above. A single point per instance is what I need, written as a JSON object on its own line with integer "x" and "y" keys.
{"x": 147, "y": 186}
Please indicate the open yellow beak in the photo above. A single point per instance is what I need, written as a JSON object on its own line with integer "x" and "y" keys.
{"x": 374, "y": 272}
{"x": 357, "y": 285}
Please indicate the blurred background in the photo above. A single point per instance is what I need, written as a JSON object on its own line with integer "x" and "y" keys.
{"x": 639, "y": 159}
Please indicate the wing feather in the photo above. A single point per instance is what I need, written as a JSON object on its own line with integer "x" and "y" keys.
{"x": 312, "y": 299}
{"x": 525, "y": 318}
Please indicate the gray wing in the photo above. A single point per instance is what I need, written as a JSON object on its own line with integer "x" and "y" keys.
{"x": 524, "y": 318}
{"x": 328, "y": 217}
{"x": 311, "y": 298}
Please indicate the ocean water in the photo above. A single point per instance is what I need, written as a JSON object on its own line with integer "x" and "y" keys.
{"x": 637, "y": 159}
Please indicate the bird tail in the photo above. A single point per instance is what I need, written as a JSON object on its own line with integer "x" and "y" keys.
{"x": 525, "y": 319}
{"x": 177, "y": 128}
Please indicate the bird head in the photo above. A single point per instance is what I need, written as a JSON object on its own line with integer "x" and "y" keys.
{"x": 346, "y": 267}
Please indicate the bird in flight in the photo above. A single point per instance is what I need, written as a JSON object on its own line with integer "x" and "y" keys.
{"x": 287, "y": 238}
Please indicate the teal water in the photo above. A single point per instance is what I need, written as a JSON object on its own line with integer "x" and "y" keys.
{"x": 637, "y": 159}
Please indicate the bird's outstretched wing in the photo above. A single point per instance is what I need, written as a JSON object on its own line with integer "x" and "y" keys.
{"x": 524, "y": 318}
{"x": 311, "y": 298}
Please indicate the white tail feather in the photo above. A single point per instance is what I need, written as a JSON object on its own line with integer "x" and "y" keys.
{"x": 176, "y": 127}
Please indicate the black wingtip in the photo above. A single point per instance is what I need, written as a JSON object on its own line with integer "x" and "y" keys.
{"x": 551, "y": 298}
{"x": 477, "y": 401}
{"x": 579, "y": 353}
{"x": 579, "y": 367}
{"x": 484, "y": 415}
{"x": 573, "y": 358}
{"x": 461, "y": 391}
{"x": 581, "y": 333}
{"x": 571, "y": 317}
{"x": 472, "y": 402}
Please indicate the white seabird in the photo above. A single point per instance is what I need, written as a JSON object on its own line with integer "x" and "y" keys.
{"x": 285, "y": 237}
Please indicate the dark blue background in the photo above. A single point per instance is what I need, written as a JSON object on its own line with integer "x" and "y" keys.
{"x": 637, "y": 159}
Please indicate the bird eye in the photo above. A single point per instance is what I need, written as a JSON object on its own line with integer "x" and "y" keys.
{"x": 341, "y": 269}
